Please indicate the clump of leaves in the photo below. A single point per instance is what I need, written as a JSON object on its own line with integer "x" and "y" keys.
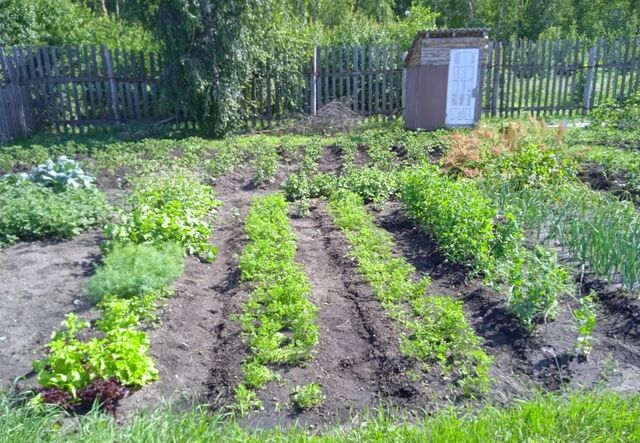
{"x": 63, "y": 174}
{"x": 246, "y": 400}
{"x": 372, "y": 184}
{"x": 585, "y": 320}
{"x": 455, "y": 212}
{"x": 73, "y": 363}
{"x": 535, "y": 282}
{"x": 257, "y": 375}
{"x": 29, "y": 211}
{"x": 306, "y": 397}
{"x": 132, "y": 270}
{"x": 106, "y": 393}
{"x": 169, "y": 209}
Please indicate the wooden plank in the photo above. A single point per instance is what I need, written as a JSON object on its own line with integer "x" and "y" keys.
{"x": 521, "y": 71}
{"x": 574, "y": 74}
{"x": 589, "y": 81}
{"x": 312, "y": 83}
{"x": 611, "y": 50}
{"x": 370, "y": 80}
{"x": 111, "y": 85}
{"x": 347, "y": 71}
{"x": 354, "y": 77}
{"x": 57, "y": 74}
{"x": 89, "y": 84}
{"x": 624, "y": 67}
{"x": 102, "y": 106}
{"x": 155, "y": 90}
{"x": 488, "y": 83}
{"x": 363, "y": 85}
{"x": 383, "y": 67}
{"x": 334, "y": 91}
{"x": 72, "y": 81}
{"x": 376, "y": 74}
{"x": 327, "y": 71}
{"x": 632, "y": 63}
{"x": 497, "y": 71}
{"x": 529, "y": 72}
{"x": 616, "y": 70}
{"x": 144, "y": 85}
{"x": 136, "y": 83}
{"x": 636, "y": 45}
{"x": 43, "y": 96}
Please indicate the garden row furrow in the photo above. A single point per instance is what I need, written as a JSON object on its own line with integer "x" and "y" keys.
{"x": 436, "y": 331}
{"x": 278, "y": 320}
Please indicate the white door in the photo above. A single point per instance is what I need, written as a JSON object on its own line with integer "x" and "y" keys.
{"x": 462, "y": 84}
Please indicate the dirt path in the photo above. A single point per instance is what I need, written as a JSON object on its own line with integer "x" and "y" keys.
{"x": 40, "y": 282}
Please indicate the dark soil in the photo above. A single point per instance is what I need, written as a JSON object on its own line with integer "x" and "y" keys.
{"x": 523, "y": 360}
{"x": 40, "y": 282}
{"x": 595, "y": 176}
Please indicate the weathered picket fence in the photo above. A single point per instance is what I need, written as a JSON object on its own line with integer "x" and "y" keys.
{"x": 562, "y": 77}
{"x": 73, "y": 87}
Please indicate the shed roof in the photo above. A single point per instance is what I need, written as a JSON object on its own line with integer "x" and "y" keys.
{"x": 413, "y": 56}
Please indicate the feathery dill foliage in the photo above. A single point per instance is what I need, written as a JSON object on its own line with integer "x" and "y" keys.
{"x": 278, "y": 320}
{"x": 131, "y": 270}
{"x": 438, "y": 332}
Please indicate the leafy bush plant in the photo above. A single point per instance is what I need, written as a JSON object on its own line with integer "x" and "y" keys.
{"x": 306, "y": 397}
{"x": 169, "y": 209}
{"x": 64, "y": 174}
{"x": 29, "y": 211}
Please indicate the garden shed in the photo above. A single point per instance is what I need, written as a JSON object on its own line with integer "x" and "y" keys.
{"x": 443, "y": 78}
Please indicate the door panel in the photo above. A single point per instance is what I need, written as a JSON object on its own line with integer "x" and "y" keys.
{"x": 462, "y": 84}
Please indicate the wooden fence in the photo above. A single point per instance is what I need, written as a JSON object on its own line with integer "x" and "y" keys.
{"x": 17, "y": 118}
{"x": 368, "y": 79}
{"x": 562, "y": 77}
{"x": 72, "y": 87}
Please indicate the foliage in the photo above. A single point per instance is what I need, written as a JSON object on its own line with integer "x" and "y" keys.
{"x": 278, "y": 320}
{"x": 257, "y": 375}
{"x": 436, "y": 330}
{"x": 543, "y": 418}
{"x": 73, "y": 363}
{"x": 456, "y": 212}
{"x": 585, "y": 320}
{"x": 372, "y": 184}
{"x": 612, "y": 116}
{"x": 29, "y": 211}
{"x": 168, "y": 209}
{"x": 535, "y": 281}
{"x": 246, "y": 400}
{"x": 64, "y": 174}
{"x": 132, "y": 270}
{"x": 105, "y": 393}
{"x": 306, "y": 397}
{"x": 442, "y": 334}
{"x": 64, "y": 22}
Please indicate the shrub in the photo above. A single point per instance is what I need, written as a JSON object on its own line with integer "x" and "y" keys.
{"x": 29, "y": 211}
{"x": 455, "y": 212}
{"x": 131, "y": 270}
{"x": 372, "y": 184}
{"x": 169, "y": 209}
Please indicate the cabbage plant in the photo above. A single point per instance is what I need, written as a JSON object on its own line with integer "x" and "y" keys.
{"x": 61, "y": 175}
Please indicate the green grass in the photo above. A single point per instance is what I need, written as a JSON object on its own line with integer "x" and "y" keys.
{"x": 581, "y": 417}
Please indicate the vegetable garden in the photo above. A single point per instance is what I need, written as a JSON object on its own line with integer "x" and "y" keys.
{"x": 467, "y": 282}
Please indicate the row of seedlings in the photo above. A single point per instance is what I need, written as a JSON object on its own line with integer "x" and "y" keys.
{"x": 278, "y": 319}
{"x": 166, "y": 218}
{"x": 470, "y": 229}
{"x": 436, "y": 331}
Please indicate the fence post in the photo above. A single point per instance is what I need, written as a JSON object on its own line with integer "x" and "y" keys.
{"x": 313, "y": 79}
{"x": 112, "y": 87}
{"x": 586, "y": 105}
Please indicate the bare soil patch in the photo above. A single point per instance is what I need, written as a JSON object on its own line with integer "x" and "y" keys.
{"x": 40, "y": 283}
